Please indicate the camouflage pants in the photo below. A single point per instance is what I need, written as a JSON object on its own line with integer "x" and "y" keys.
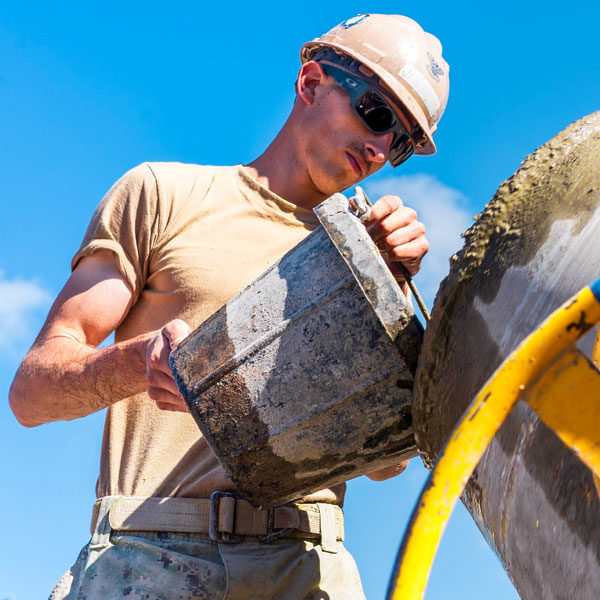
{"x": 187, "y": 566}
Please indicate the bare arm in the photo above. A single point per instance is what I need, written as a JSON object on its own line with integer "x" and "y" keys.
{"x": 64, "y": 376}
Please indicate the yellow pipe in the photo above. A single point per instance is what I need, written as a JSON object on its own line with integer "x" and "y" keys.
{"x": 596, "y": 351}
{"x": 596, "y": 361}
{"x": 480, "y": 422}
{"x": 566, "y": 397}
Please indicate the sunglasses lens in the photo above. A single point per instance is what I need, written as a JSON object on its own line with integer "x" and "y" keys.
{"x": 375, "y": 112}
{"x": 402, "y": 149}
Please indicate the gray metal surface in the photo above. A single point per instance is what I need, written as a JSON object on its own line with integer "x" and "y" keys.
{"x": 304, "y": 379}
{"x": 535, "y": 245}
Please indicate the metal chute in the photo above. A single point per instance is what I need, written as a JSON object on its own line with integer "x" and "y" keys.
{"x": 533, "y": 247}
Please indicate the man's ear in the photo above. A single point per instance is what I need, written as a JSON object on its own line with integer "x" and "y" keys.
{"x": 310, "y": 76}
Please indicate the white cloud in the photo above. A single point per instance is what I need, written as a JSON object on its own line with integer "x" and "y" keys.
{"x": 23, "y": 304}
{"x": 443, "y": 210}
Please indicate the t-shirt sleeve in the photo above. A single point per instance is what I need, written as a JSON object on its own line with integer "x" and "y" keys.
{"x": 126, "y": 222}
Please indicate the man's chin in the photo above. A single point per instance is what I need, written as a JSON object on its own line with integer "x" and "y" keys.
{"x": 332, "y": 183}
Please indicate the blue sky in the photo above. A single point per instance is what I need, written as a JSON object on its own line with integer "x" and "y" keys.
{"x": 88, "y": 90}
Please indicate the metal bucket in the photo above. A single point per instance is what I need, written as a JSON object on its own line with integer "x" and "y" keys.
{"x": 534, "y": 246}
{"x": 304, "y": 379}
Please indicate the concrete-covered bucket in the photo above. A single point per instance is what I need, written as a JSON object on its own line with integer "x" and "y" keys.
{"x": 304, "y": 379}
{"x": 533, "y": 247}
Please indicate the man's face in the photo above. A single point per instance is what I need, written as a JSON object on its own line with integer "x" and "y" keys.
{"x": 339, "y": 149}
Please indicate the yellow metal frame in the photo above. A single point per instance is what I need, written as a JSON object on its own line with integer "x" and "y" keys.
{"x": 567, "y": 398}
{"x": 520, "y": 371}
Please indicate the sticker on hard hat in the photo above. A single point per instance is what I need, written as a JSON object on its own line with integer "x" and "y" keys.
{"x": 423, "y": 89}
{"x": 353, "y": 21}
{"x": 434, "y": 69}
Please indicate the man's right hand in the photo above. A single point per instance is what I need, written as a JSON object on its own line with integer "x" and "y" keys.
{"x": 161, "y": 385}
{"x": 66, "y": 375}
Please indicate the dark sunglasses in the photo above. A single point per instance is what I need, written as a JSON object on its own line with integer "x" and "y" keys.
{"x": 375, "y": 112}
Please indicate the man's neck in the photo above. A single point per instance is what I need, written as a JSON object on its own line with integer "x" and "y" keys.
{"x": 280, "y": 170}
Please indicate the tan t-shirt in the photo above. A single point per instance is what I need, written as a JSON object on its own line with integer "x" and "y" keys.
{"x": 187, "y": 238}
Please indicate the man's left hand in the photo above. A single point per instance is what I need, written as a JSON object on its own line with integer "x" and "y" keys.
{"x": 388, "y": 472}
{"x": 398, "y": 234}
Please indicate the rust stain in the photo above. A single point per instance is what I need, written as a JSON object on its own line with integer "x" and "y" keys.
{"x": 581, "y": 325}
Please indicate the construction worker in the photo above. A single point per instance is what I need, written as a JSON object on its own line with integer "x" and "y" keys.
{"x": 167, "y": 246}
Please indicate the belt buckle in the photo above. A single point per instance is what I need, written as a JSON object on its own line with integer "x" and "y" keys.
{"x": 213, "y": 522}
{"x": 273, "y": 535}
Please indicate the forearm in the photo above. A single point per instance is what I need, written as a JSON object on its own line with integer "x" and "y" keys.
{"x": 63, "y": 379}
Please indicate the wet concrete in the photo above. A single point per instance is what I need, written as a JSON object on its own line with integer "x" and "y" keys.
{"x": 534, "y": 245}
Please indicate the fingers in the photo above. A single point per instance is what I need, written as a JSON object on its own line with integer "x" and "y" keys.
{"x": 406, "y": 234}
{"x": 388, "y": 472}
{"x": 409, "y": 254}
{"x": 401, "y": 219}
{"x": 398, "y": 233}
{"x": 385, "y": 206}
{"x": 165, "y": 341}
{"x": 157, "y": 355}
{"x": 161, "y": 386}
{"x": 175, "y": 331}
{"x": 180, "y": 406}
{"x": 401, "y": 467}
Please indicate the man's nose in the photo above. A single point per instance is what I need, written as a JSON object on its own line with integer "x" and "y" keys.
{"x": 378, "y": 146}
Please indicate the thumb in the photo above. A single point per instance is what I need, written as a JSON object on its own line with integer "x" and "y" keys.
{"x": 175, "y": 332}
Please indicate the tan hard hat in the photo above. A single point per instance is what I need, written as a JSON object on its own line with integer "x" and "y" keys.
{"x": 406, "y": 58}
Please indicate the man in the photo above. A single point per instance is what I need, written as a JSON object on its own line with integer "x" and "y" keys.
{"x": 169, "y": 245}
